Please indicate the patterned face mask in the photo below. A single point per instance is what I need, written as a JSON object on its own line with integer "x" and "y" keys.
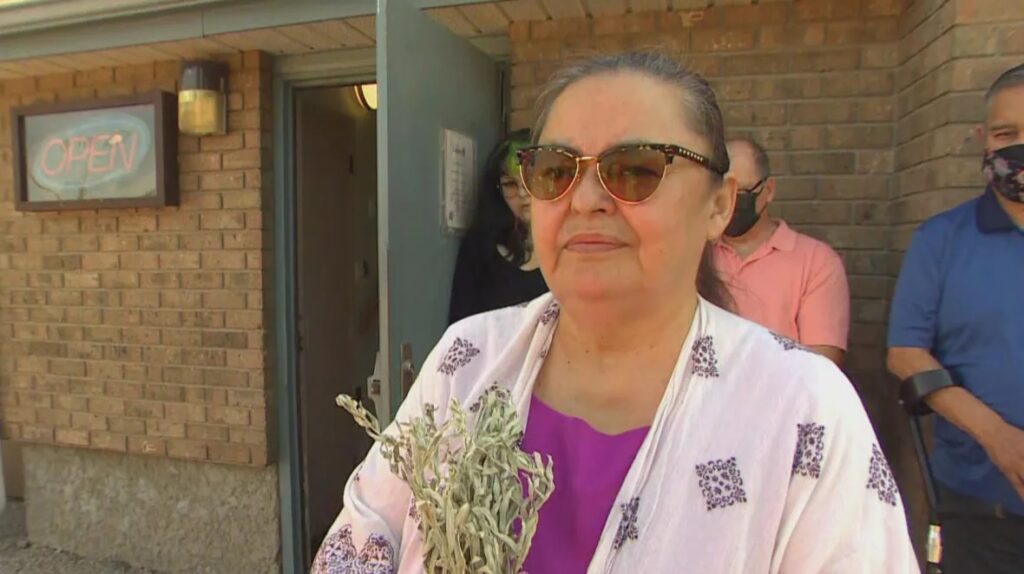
{"x": 1004, "y": 170}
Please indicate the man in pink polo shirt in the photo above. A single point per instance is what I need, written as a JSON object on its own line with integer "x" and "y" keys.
{"x": 789, "y": 282}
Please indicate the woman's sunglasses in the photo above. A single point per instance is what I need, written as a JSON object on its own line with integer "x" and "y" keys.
{"x": 629, "y": 173}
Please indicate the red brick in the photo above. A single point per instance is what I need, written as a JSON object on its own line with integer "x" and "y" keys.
{"x": 166, "y": 429}
{"x": 203, "y": 319}
{"x": 66, "y": 402}
{"x": 722, "y": 40}
{"x": 109, "y": 441}
{"x": 178, "y": 221}
{"x": 119, "y": 242}
{"x": 72, "y": 437}
{"x": 186, "y": 375}
{"x": 184, "y": 448}
{"x": 125, "y": 390}
{"x": 179, "y": 260}
{"x": 162, "y": 242}
{"x": 223, "y": 220}
{"x": 222, "y": 180}
{"x": 147, "y": 445}
{"x": 53, "y": 418}
{"x": 248, "y": 436}
{"x": 231, "y": 141}
{"x": 244, "y": 320}
{"x": 162, "y": 318}
{"x": 226, "y": 378}
{"x": 185, "y": 413}
{"x": 140, "y": 261}
{"x": 247, "y": 198}
{"x": 34, "y": 433}
{"x": 88, "y": 422}
{"x": 160, "y": 280}
{"x": 206, "y": 432}
{"x": 80, "y": 243}
{"x": 246, "y": 398}
{"x": 127, "y": 426}
{"x": 204, "y": 357}
{"x": 181, "y": 299}
{"x": 224, "y": 300}
{"x": 228, "y": 415}
{"x": 136, "y": 223}
{"x": 233, "y": 453}
{"x": 206, "y": 241}
{"x": 194, "y": 162}
{"x": 106, "y": 406}
{"x": 215, "y": 260}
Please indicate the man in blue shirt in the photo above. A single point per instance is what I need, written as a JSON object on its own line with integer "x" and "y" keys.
{"x": 957, "y": 328}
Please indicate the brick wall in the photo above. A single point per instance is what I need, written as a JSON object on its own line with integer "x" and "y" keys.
{"x": 143, "y": 330}
{"x": 950, "y": 53}
{"x": 813, "y": 81}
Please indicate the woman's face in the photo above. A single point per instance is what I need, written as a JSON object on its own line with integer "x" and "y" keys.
{"x": 515, "y": 196}
{"x": 592, "y": 247}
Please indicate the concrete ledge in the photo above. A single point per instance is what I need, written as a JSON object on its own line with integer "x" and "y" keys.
{"x": 164, "y": 514}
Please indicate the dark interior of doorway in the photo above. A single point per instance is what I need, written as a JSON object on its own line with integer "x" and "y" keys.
{"x": 337, "y": 290}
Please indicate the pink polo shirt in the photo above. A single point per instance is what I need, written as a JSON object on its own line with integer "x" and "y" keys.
{"x": 792, "y": 284}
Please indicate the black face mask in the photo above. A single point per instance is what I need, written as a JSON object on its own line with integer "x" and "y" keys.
{"x": 745, "y": 214}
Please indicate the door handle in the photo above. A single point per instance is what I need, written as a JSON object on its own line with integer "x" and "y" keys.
{"x": 408, "y": 369}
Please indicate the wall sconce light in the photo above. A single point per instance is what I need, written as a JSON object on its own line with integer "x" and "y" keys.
{"x": 367, "y": 96}
{"x": 203, "y": 99}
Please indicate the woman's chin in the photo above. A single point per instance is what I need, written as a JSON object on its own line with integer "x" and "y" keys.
{"x": 594, "y": 289}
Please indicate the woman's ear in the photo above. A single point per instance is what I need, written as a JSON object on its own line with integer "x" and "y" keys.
{"x": 723, "y": 200}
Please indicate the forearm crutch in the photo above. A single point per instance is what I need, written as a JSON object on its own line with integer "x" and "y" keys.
{"x": 934, "y": 546}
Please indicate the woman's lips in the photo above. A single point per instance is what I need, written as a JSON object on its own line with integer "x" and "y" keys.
{"x": 593, "y": 243}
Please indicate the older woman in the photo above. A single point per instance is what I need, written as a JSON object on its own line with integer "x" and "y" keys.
{"x": 684, "y": 438}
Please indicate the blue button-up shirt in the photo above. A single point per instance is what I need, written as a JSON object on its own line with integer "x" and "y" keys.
{"x": 960, "y": 295}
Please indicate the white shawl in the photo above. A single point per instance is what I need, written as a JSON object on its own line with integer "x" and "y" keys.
{"x": 760, "y": 459}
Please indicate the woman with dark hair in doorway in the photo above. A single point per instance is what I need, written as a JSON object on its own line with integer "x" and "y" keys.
{"x": 497, "y": 266}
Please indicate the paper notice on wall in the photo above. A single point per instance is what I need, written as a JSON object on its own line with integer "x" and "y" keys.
{"x": 459, "y": 180}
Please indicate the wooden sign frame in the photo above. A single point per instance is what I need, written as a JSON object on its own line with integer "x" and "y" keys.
{"x": 165, "y": 151}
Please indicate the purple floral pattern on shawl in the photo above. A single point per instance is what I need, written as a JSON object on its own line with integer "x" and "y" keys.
{"x": 459, "y": 355}
{"x": 721, "y": 483}
{"x": 810, "y": 450}
{"x": 628, "y": 529}
{"x": 338, "y": 555}
{"x": 880, "y": 477}
{"x": 705, "y": 363}
{"x": 551, "y": 313}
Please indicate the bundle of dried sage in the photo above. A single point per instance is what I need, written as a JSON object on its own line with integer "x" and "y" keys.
{"x": 476, "y": 494}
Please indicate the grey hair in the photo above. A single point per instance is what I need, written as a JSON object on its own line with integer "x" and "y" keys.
{"x": 761, "y": 162}
{"x": 1009, "y": 79}
{"x": 698, "y": 99}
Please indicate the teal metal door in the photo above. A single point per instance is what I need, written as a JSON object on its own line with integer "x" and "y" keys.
{"x": 430, "y": 81}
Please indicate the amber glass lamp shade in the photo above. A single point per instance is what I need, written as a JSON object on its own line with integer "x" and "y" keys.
{"x": 203, "y": 98}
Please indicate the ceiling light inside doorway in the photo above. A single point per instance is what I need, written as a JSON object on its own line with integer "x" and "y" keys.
{"x": 367, "y": 95}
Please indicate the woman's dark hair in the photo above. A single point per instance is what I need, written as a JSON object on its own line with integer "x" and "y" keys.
{"x": 494, "y": 223}
{"x": 700, "y": 107}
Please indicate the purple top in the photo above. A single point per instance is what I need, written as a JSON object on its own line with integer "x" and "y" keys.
{"x": 589, "y": 468}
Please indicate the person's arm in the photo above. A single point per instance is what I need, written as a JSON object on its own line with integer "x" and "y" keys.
{"x": 912, "y": 334}
{"x": 823, "y": 319}
{"x": 1003, "y": 442}
{"x": 834, "y": 354}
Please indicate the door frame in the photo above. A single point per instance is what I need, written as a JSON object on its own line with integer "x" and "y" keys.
{"x": 323, "y": 69}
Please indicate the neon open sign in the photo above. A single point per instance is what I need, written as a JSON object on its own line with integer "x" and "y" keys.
{"x": 112, "y": 153}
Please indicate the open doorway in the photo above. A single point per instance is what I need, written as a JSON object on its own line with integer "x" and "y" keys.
{"x": 336, "y": 281}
